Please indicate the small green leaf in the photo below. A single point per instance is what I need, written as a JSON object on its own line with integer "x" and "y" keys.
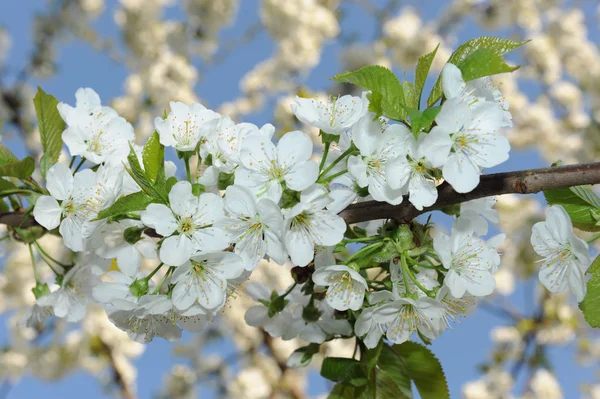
{"x": 276, "y": 305}
{"x": 379, "y": 80}
{"x": 302, "y": 357}
{"x": 421, "y": 72}
{"x": 6, "y": 156}
{"x": 424, "y": 369}
{"x": 484, "y": 62}
{"x": 153, "y": 157}
{"x": 424, "y": 120}
{"x": 51, "y": 126}
{"x": 21, "y": 169}
{"x": 225, "y": 180}
{"x": 410, "y": 95}
{"x": 138, "y": 174}
{"x": 498, "y": 46}
{"x": 341, "y": 369}
{"x": 579, "y": 209}
{"x": 587, "y": 194}
{"x": 590, "y": 306}
{"x": 346, "y": 391}
{"x": 129, "y": 203}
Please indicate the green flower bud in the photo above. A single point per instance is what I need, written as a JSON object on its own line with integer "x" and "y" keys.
{"x": 139, "y": 287}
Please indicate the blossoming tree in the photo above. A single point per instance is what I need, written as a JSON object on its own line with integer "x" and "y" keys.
{"x": 368, "y": 264}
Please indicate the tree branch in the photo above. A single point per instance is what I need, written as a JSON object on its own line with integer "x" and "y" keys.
{"x": 518, "y": 182}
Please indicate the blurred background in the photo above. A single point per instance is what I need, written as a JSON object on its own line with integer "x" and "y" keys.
{"x": 248, "y": 59}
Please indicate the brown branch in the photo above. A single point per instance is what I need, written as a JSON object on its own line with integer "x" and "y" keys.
{"x": 118, "y": 378}
{"x": 517, "y": 182}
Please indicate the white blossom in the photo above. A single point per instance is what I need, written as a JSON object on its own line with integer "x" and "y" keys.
{"x": 565, "y": 256}
{"x": 190, "y": 224}
{"x": 333, "y": 117}
{"x": 185, "y": 125}
{"x": 345, "y": 286}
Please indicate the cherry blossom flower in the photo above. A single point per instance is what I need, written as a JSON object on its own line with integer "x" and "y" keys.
{"x": 565, "y": 256}
{"x": 190, "y": 224}
{"x": 308, "y": 224}
{"x": 95, "y": 132}
{"x": 333, "y": 117}
{"x": 185, "y": 125}
{"x": 266, "y": 167}
{"x": 346, "y": 287}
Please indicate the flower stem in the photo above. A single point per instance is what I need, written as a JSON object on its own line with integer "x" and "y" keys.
{"x": 34, "y": 264}
{"x": 46, "y": 256}
{"x": 364, "y": 251}
{"x": 406, "y": 271}
{"x": 329, "y": 178}
{"x": 79, "y": 165}
{"x": 153, "y": 272}
{"x": 324, "y": 155}
{"x": 187, "y": 169}
{"x": 338, "y": 160}
{"x": 72, "y": 161}
{"x": 286, "y": 293}
{"x": 167, "y": 274}
{"x": 594, "y": 238}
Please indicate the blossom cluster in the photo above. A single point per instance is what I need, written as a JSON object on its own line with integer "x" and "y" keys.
{"x": 246, "y": 199}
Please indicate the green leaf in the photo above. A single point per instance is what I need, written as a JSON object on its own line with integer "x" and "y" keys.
{"x": 425, "y": 119}
{"x": 21, "y": 169}
{"x": 389, "y": 364}
{"x": 346, "y": 391}
{"x": 484, "y": 62}
{"x": 379, "y": 80}
{"x": 51, "y": 127}
{"x": 341, "y": 369}
{"x": 587, "y": 194}
{"x": 6, "y": 156}
{"x": 129, "y": 203}
{"x": 410, "y": 95}
{"x": 579, "y": 209}
{"x": 153, "y": 157}
{"x": 302, "y": 357}
{"x": 421, "y": 72}
{"x": 424, "y": 369}
{"x": 497, "y": 45}
{"x": 590, "y": 306}
{"x": 138, "y": 174}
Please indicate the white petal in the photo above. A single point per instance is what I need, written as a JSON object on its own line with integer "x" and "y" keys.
{"x": 47, "y": 212}
{"x": 59, "y": 181}
{"x": 461, "y": 172}
{"x": 160, "y": 218}
{"x": 176, "y": 250}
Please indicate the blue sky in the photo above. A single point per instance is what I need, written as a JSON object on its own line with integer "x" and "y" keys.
{"x": 459, "y": 350}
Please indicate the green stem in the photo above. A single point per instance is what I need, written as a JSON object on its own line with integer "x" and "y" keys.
{"x": 47, "y": 255}
{"x": 286, "y": 293}
{"x": 148, "y": 277}
{"x": 79, "y": 165}
{"x": 72, "y": 161}
{"x": 406, "y": 271}
{"x": 187, "y": 169}
{"x": 594, "y": 238}
{"x": 361, "y": 239}
{"x": 34, "y": 264}
{"x": 167, "y": 274}
{"x": 363, "y": 251}
{"x": 329, "y": 178}
{"x": 324, "y": 156}
{"x": 338, "y": 160}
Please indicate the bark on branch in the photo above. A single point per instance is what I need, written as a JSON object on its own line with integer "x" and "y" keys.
{"x": 518, "y": 182}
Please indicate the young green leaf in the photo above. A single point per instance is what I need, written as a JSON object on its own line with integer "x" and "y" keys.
{"x": 497, "y": 45}
{"x": 424, "y": 120}
{"x": 421, "y": 72}
{"x": 51, "y": 126}
{"x": 587, "y": 194}
{"x": 410, "y": 95}
{"x": 6, "y": 156}
{"x": 138, "y": 174}
{"x": 424, "y": 369}
{"x": 379, "y": 80}
{"x": 341, "y": 369}
{"x": 153, "y": 157}
{"x": 590, "y": 306}
{"x": 484, "y": 62}
{"x": 21, "y": 169}
{"x": 580, "y": 210}
{"x": 129, "y": 203}
{"x": 302, "y": 357}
